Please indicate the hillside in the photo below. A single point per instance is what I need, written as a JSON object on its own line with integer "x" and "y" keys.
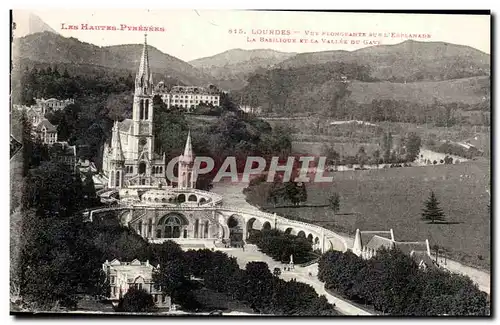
{"x": 466, "y": 90}
{"x": 406, "y": 61}
{"x": 52, "y": 48}
{"x": 232, "y": 67}
{"x": 406, "y": 82}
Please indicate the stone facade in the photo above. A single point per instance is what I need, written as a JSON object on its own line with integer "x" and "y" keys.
{"x": 124, "y": 275}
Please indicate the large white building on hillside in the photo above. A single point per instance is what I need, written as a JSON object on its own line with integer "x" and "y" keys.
{"x": 188, "y": 97}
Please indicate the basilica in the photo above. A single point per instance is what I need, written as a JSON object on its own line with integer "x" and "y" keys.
{"x": 130, "y": 159}
{"x": 136, "y": 177}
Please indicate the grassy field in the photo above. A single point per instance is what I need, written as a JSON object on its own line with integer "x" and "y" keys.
{"x": 394, "y": 197}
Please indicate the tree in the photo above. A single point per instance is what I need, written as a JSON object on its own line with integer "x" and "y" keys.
{"x": 413, "y": 147}
{"x": 394, "y": 158}
{"x": 432, "y": 211}
{"x": 361, "y": 156}
{"x": 277, "y": 193}
{"x": 331, "y": 155}
{"x": 334, "y": 202}
{"x": 376, "y": 157}
{"x": 137, "y": 301}
{"x": 295, "y": 193}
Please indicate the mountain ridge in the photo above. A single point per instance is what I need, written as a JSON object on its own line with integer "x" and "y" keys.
{"x": 399, "y": 62}
{"x": 53, "y": 48}
{"x": 232, "y": 67}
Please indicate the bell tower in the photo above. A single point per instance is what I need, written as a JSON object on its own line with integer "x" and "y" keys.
{"x": 142, "y": 116}
{"x": 142, "y": 112}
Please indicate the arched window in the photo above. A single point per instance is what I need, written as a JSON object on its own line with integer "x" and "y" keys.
{"x": 161, "y": 169}
{"x": 150, "y": 227}
{"x": 146, "y": 110}
{"x": 117, "y": 179}
{"x": 141, "y": 109}
{"x": 171, "y": 226}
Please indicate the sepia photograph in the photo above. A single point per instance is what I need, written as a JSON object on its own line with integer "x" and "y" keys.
{"x": 189, "y": 162}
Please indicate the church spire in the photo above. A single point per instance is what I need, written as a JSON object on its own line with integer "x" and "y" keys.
{"x": 143, "y": 79}
{"x": 117, "y": 153}
{"x": 188, "y": 150}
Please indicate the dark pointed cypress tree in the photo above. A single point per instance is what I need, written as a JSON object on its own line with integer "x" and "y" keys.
{"x": 432, "y": 211}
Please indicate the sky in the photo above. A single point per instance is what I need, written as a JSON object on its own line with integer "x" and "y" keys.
{"x": 192, "y": 34}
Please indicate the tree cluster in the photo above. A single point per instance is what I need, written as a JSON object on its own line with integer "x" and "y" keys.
{"x": 289, "y": 192}
{"x": 61, "y": 255}
{"x": 49, "y": 82}
{"x": 56, "y": 259}
{"x": 393, "y": 283}
{"x": 280, "y": 246}
{"x": 406, "y": 153}
{"x": 254, "y": 285}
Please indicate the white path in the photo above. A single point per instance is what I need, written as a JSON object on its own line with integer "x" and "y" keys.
{"x": 301, "y": 274}
{"x": 233, "y": 195}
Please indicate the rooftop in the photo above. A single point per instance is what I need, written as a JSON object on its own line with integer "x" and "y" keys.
{"x": 47, "y": 125}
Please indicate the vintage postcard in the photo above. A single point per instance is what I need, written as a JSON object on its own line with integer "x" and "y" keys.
{"x": 238, "y": 162}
